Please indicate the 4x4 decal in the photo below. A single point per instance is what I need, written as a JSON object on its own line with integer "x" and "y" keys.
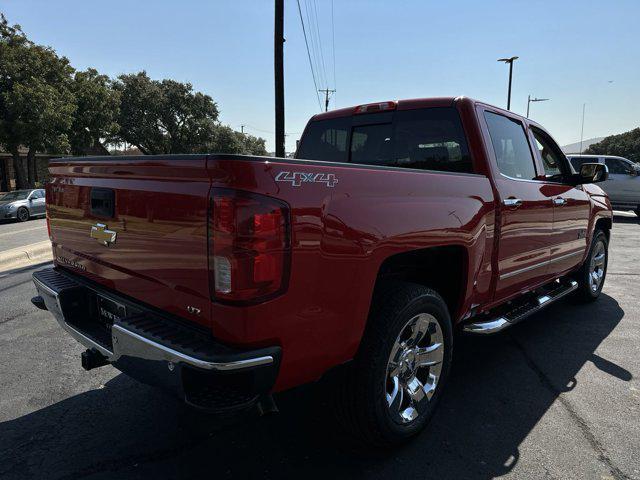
{"x": 298, "y": 178}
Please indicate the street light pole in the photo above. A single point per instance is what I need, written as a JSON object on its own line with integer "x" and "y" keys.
{"x": 584, "y": 105}
{"x": 529, "y": 100}
{"x": 510, "y": 61}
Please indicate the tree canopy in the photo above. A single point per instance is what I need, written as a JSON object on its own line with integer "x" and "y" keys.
{"x": 169, "y": 117}
{"x": 623, "y": 145}
{"x": 36, "y": 103}
{"x": 97, "y": 107}
{"x": 47, "y": 106}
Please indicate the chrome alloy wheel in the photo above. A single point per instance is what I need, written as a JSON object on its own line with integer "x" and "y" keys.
{"x": 597, "y": 266}
{"x": 414, "y": 367}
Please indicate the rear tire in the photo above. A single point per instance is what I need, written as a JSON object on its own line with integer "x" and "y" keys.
{"x": 593, "y": 272}
{"x": 22, "y": 215}
{"x": 394, "y": 384}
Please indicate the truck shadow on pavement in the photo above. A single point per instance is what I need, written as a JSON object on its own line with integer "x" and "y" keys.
{"x": 499, "y": 389}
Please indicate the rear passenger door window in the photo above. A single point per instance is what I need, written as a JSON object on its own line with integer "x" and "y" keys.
{"x": 511, "y": 147}
{"x": 431, "y": 139}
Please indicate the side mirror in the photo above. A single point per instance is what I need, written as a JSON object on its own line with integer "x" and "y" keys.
{"x": 633, "y": 172}
{"x": 592, "y": 173}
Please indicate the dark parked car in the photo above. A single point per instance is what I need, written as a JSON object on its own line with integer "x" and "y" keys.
{"x": 22, "y": 204}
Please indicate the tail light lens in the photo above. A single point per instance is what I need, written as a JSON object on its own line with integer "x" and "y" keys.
{"x": 249, "y": 246}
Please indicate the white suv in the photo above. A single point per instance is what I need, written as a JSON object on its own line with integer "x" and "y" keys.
{"x": 623, "y": 184}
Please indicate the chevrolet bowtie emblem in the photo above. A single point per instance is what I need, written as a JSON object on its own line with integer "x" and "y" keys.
{"x": 100, "y": 232}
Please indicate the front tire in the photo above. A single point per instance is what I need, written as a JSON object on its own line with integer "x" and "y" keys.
{"x": 22, "y": 215}
{"x": 593, "y": 272}
{"x": 403, "y": 362}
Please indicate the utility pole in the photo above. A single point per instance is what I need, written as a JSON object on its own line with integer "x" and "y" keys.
{"x": 529, "y": 100}
{"x": 326, "y": 92}
{"x": 278, "y": 47}
{"x": 510, "y": 61}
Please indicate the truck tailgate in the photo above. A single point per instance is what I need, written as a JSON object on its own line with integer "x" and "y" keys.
{"x": 158, "y": 254}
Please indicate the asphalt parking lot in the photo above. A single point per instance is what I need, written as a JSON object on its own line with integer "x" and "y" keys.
{"x": 556, "y": 397}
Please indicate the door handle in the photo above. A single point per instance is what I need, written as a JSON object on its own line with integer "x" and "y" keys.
{"x": 559, "y": 201}
{"x": 512, "y": 202}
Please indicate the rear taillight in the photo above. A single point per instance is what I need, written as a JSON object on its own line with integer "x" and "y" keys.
{"x": 249, "y": 246}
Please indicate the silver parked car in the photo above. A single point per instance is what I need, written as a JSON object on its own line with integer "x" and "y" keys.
{"x": 22, "y": 204}
{"x": 623, "y": 184}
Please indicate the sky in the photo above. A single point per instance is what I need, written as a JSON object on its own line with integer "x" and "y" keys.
{"x": 573, "y": 52}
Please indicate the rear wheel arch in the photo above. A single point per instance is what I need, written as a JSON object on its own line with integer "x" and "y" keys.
{"x": 443, "y": 269}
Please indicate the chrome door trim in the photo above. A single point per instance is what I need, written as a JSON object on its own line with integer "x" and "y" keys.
{"x": 544, "y": 263}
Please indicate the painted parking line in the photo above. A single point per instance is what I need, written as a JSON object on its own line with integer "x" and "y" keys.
{"x": 23, "y": 231}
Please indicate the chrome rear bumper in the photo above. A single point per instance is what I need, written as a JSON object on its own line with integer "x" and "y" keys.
{"x": 189, "y": 363}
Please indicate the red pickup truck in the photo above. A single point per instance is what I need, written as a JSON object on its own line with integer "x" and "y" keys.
{"x": 226, "y": 278}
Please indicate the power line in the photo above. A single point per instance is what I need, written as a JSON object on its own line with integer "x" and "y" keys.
{"x": 306, "y": 42}
{"x": 251, "y": 127}
{"x": 314, "y": 43}
{"x": 324, "y": 68}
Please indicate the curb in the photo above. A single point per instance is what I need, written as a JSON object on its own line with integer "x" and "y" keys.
{"x": 26, "y": 254}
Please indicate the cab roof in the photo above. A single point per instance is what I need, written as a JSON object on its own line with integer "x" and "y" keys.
{"x": 408, "y": 104}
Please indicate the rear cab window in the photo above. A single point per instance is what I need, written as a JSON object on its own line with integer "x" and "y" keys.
{"x": 424, "y": 139}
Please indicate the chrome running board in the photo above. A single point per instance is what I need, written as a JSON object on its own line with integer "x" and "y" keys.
{"x": 530, "y": 305}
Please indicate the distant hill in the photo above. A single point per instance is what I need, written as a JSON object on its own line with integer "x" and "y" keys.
{"x": 625, "y": 145}
{"x": 575, "y": 147}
